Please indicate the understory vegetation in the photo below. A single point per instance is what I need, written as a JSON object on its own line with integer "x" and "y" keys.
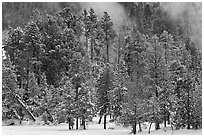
{"x": 69, "y": 66}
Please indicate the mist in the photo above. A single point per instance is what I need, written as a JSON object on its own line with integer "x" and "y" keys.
{"x": 188, "y": 13}
{"x": 114, "y": 9}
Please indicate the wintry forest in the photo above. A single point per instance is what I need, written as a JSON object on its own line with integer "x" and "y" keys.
{"x": 68, "y": 62}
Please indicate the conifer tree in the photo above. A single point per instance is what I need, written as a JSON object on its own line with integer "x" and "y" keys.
{"x": 109, "y": 34}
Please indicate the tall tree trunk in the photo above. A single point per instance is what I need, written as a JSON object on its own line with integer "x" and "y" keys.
{"x": 92, "y": 50}
{"x": 156, "y": 91}
{"x": 84, "y": 119}
{"x": 38, "y": 68}
{"x": 164, "y": 115}
{"x": 84, "y": 123}
{"x": 21, "y": 114}
{"x": 150, "y": 127}
{"x": 69, "y": 122}
{"x": 87, "y": 49}
{"x": 168, "y": 118}
{"x": 140, "y": 128}
{"x": 38, "y": 77}
{"x": 119, "y": 48}
{"x": 134, "y": 128}
{"x": 20, "y": 82}
{"x": 166, "y": 83}
{"x": 165, "y": 120}
{"x": 99, "y": 122}
{"x": 188, "y": 108}
{"x": 157, "y": 125}
{"x": 77, "y": 92}
{"x": 77, "y": 123}
{"x": 27, "y": 76}
{"x": 76, "y": 98}
{"x": 107, "y": 48}
{"x": 50, "y": 118}
{"x": 165, "y": 110}
{"x": 104, "y": 121}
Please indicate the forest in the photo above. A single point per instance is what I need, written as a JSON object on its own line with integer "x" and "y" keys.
{"x": 66, "y": 62}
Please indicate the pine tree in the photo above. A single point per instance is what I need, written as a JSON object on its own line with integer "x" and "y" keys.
{"x": 12, "y": 95}
{"x": 183, "y": 78}
{"x": 9, "y": 81}
{"x": 13, "y": 48}
{"x": 104, "y": 85}
{"x": 93, "y": 26}
{"x": 156, "y": 66}
{"x": 64, "y": 110}
{"x": 85, "y": 22}
{"x": 136, "y": 68}
{"x": 167, "y": 43}
{"x": 109, "y": 34}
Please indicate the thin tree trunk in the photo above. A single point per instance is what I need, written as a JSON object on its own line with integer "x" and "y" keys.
{"x": 119, "y": 48}
{"x": 140, "y": 128}
{"x": 27, "y": 76}
{"x": 166, "y": 81}
{"x": 164, "y": 121}
{"x": 164, "y": 117}
{"x": 38, "y": 77}
{"x": 150, "y": 127}
{"x": 20, "y": 84}
{"x": 69, "y": 122}
{"x": 84, "y": 123}
{"x": 77, "y": 93}
{"x": 168, "y": 118}
{"x": 188, "y": 109}
{"x": 77, "y": 123}
{"x": 21, "y": 114}
{"x": 92, "y": 50}
{"x": 156, "y": 92}
{"x": 157, "y": 125}
{"x": 105, "y": 121}
{"x": 77, "y": 119}
{"x": 99, "y": 122}
{"x": 38, "y": 68}
{"x": 134, "y": 127}
{"x": 107, "y": 48}
{"x": 87, "y": 48}
{"x": 172, "y": 129}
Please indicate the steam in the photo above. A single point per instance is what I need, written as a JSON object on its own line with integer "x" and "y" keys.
{"x": 187, "y": 14}
{"x": 114, "y": 9}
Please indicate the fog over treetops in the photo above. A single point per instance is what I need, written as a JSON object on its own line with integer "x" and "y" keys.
{"x": 186, "y": 14}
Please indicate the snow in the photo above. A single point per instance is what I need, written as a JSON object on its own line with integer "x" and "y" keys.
{"x": 92, "y": 129}
{"x": 62, "y": 129}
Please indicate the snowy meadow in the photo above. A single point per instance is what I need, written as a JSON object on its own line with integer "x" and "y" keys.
{"x": 93, "y": 68}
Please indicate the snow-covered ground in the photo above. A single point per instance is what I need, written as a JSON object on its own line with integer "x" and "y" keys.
{"x": 92, "y": 129}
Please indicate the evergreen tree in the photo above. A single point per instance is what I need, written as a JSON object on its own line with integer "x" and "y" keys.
{"x": 9, "y": 81}
{"x": 12, "y": 95}
{"x": 105, "y": 79}
{"x": 147, "y": 72}
{"x": 93, "y": 26}
{"x": 103, "y": 87}
{"x": 156, "y": 66}
{"x": 135, "y": 62}
{"x": 167, "y": 43}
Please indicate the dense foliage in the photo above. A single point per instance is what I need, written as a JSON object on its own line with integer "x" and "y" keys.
{"x": 68, "y": 66}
